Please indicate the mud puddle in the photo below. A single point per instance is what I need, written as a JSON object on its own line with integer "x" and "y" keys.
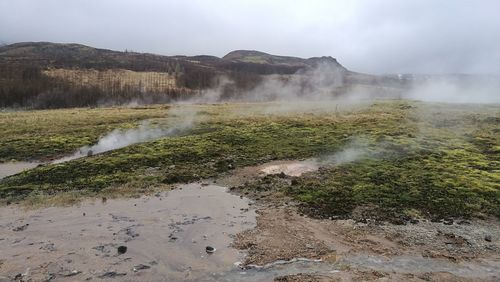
{"x": 11, "y": 168}
{"x": 165, "y": 235}
{"x": 294, "y": 168}
{"x": 290, "y": 168}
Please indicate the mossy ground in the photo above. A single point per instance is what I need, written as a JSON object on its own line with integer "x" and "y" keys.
{"x": 35, "y": 135}
{"x": 429, "y": 159}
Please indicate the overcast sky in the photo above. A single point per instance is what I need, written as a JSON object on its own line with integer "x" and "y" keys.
{"x": 374, "y": 36}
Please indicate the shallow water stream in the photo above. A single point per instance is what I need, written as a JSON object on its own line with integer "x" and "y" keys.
{"x": 11, "y": 168}
{"x": 418, "y": 264}
{"x": 165, "y": 235}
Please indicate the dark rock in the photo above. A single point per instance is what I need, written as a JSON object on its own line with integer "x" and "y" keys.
{"x": 210, "y": 249}
{"x": 21, "y": 228}
{"x": 90, "y": 153}
{"x": 111, "y": 274}
{"x": 487, "y": 238}
{"x": 48, "y": 247}
{"x": 122, "y": 250}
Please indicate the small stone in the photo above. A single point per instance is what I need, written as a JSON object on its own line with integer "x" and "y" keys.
{"x": 210, "y": 250}
{"x": 21, "y": 228}
{"x": 448, "y": 221}
{"x": 487, "y": 238}
{"x": 122, "y": 250}
{"x": 111, "y": 274}
{"x": 72, "y": 273}
{"x": 140, "y": 267}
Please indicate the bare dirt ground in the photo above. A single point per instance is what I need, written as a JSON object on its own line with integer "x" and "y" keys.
{"x": 466, "y": 250}
{"x": 421, "y": 251}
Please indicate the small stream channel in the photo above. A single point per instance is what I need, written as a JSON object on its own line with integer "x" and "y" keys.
{"x": 11, "y": 168}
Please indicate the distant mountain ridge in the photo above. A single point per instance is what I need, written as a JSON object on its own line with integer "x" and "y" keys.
{"x": 78, "y": 75}
{"x": 252, "y": 56}
{"x": 72, "y": 53}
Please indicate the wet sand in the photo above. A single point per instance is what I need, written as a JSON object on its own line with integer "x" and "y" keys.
{"x": 165, "y": 235}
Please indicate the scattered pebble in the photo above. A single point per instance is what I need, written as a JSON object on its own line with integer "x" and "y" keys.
{"x": 111, "y": 274}
{"x": 141, "y": 267}
{"x": 21, "y": 228}
{"x": 72, "y": 273}
{"x": 122, "y": 250}
{"x": 210, "y": 250}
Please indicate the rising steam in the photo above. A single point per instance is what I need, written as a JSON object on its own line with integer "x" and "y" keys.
{"x": 322, "y": 88}
{"x": 183, "y": 118}
{"x": 356, "y": 149}
{"x": 457, "y": 89}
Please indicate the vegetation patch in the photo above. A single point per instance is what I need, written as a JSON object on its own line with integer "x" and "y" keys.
{"x": 48, "y": 134}
{"x": 414, "y": 165}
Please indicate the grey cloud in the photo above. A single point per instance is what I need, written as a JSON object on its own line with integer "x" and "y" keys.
{"x": 375, "y": 36}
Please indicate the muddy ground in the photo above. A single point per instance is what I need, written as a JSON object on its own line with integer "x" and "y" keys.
{"x": 260, "y": 236}
{"x": 420, "y": 250}
{"x": 161, "y": 236}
